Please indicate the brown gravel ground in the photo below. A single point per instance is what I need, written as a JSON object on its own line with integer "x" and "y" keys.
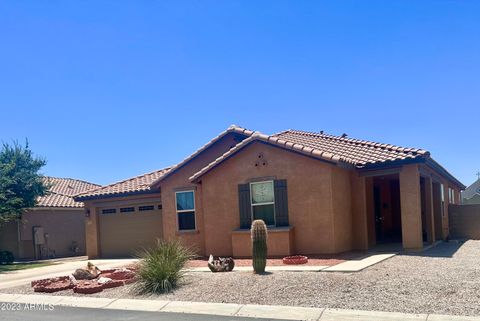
{"x": 445, "y": 280}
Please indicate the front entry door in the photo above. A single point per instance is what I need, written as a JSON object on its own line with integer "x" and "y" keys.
{"x": 378, "y": 214}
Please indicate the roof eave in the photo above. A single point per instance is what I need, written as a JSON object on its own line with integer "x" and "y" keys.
{"x": 439, "y": 168}
{"x": 56, "y": 208}
{"x": 115, "y": 195}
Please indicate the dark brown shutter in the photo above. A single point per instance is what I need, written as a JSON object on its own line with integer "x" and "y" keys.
{"x": 281, "y": 202}
{"x": 244, "y": 205}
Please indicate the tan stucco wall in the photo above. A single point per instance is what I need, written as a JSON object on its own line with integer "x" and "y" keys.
{"x": 63, "y": 227}
{"x": 359, "y": 206}
{"x": 180, "y": 181}
{"x": 280, "y": 242}
{"x": 310, "y": 199}
{"x": 411, "y": 207}
{"x": 441, "y": 232}
{"x": 342, "y": 209}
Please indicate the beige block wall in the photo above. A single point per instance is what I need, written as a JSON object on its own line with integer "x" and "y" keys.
{"x": 465, "y": 221}
{"x": 309, "y": 184}
{"x": 9, "y": 238}
{"x": 63, "y": 226}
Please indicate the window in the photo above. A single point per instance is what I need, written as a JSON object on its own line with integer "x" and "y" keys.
{"x": 109, "y": 211}
{"x": 185, "y": 210}
{"x": 146, "y": 208}
{"x": 442, "y": 194}
{"x": 450, "y": 195}
{"x": 263, "y": 202}
{"x": 127, "y": 209}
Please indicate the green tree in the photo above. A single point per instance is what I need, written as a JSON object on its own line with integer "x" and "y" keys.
{"x": 20, "y": 181}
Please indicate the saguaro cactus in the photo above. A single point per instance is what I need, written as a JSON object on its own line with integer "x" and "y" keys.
{"x": 259, "y": 245}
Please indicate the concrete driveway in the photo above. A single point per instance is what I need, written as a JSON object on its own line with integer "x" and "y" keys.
{"x": 22, "y": 277}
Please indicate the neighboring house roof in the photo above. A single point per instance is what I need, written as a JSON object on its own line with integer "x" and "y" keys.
{"x": 337, "y": 149}
{"x": 231, "y": 129}
{"x": 61, "y": 192}
{"x": 137, "y": 185}
{"x": 472, "y": 190}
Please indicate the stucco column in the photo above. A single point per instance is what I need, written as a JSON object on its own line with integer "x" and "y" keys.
{"x": 91, "y": 233}
{"x": 359, "y": 212}
{"x": 371, "y": 237}
{"x": 410, "y": 203}
{"x": 429, "y": 214}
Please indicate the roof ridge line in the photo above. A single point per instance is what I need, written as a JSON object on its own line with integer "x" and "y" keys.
{"x": 357, "y": 141}
{"x": 72, "y": 179}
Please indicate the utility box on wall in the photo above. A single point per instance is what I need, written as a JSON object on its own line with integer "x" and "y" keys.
{"x": 38, "y": 235}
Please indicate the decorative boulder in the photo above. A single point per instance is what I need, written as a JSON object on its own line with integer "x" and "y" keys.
{"x": 221, "y": 264}
{"x": 90, "y": 273}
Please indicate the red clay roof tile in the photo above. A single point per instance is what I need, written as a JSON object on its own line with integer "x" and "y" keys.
{"x": 141, "y": 183}
{"x": 62, "y": 190}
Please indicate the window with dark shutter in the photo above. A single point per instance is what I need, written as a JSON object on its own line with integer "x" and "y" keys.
{"x": 244, "y": 205}
{"x": 281, "y": 202}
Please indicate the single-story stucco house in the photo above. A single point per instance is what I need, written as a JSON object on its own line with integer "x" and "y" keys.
{"x": 54, "y": 228}
{"x": 318, "y": 194}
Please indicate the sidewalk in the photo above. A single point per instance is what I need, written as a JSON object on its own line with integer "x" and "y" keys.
{"x": 347, "y": 266}
{"x": 227, "y": 309}
{"x": 21, "y": 277}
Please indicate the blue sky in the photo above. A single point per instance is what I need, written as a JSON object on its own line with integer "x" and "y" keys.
{"x": 106, "y": 90}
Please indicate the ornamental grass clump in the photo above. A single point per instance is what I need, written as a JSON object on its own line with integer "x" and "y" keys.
{"x": 259, "y": 246}
{"x": 161, "y": 267}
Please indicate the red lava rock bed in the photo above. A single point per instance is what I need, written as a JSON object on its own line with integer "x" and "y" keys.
{"x": 111, "y": 278}
{"x": 313, "y": 260}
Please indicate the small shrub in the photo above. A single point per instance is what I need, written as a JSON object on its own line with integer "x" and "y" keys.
{"x": 6, "y": 257}
{"x": 161, "y": 267}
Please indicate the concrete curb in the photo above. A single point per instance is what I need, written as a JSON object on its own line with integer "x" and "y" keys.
{"x": 227, "y": 309}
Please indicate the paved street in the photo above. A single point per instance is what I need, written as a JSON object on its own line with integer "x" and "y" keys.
{"x": 82, "y": 314}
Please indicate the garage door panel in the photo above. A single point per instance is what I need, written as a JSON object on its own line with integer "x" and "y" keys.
{"x": 125, "y": 234}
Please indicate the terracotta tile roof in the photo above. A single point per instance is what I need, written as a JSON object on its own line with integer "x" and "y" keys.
{"x": 338, "y": 149}
{"x": 352, "y": 151}
{"x": 136, "y": 185}
{"x": 231, "y": 129}
{"x": 62, "y": 190}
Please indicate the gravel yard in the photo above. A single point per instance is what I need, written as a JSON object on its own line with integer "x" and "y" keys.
{"x": 444, "y": 280}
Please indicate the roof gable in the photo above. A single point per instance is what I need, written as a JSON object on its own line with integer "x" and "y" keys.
{"x": 232, "y": 129}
